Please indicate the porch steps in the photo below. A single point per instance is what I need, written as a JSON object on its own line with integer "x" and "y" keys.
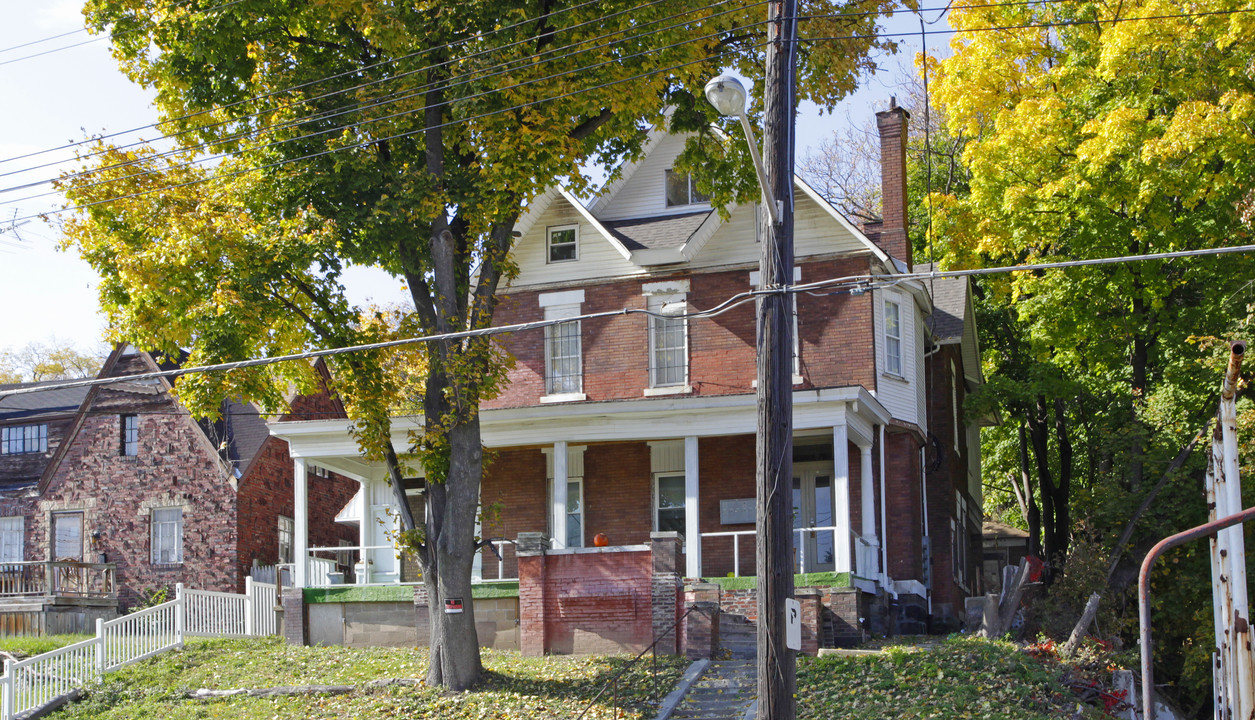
{"x": 725, "y": 692}
{"x": 738, "y": 637}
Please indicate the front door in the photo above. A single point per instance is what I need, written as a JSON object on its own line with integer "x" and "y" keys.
{"x": 814, "y": 540}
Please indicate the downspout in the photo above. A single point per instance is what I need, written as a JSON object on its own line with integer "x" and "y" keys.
{"x": 884, "y": 525}
{"x": 923, "y": 475}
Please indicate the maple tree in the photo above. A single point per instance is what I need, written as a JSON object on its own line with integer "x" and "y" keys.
{"x": 407, "y": 137}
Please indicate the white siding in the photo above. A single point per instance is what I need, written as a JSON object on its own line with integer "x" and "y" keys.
{"x": 899, "y": 395}
{"x": 643, "y": 194}
{"x": 597, "y": 257}
{"x": 814, "y": 233}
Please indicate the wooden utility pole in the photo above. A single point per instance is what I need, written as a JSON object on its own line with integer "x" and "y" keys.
{"x": 777, "y": 665}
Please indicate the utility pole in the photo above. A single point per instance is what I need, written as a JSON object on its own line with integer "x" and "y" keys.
{"x": 777, "y": 665}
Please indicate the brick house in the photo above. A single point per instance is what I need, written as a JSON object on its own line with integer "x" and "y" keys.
{"x": 120, "y": 481}
{"x": 627, "y": 424}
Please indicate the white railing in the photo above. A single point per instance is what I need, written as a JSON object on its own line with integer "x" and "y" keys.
{"x": 37, "y": 681}
{"x": 798, "y": 544}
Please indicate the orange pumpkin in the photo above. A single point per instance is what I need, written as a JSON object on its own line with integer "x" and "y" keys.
{"x": 600, "y": 540}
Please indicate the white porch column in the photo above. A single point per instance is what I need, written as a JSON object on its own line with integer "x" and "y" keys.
{"x": 867, "y": 497}
{"x": 300, "y": 521}
{"x": 558, "y": 510}
{"x": 841, "y": 495}
{"x": 884, "y": 523}
{"x": 692, "y": 525}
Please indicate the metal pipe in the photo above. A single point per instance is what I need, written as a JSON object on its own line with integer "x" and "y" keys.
{"x": 1230, "y": 385}
{"x": 1143, "y": 595}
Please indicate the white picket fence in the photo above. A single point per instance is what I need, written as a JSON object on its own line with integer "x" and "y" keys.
{"x": 34, "y": 682}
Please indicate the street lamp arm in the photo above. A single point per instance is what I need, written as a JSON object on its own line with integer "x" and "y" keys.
{"x": 774, "y": 209}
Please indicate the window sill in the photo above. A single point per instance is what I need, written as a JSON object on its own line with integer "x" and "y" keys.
{"x": 797, "y": 380}
{"x": 668, "y": 390}
{"x": 563, "y": 397}
{"x": 895, "y": 376}
{"x": 167, "y": 566}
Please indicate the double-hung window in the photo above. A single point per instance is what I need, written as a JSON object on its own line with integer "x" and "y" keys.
{"x": 893, "y": 338}
{"x": 167, "y": 540}
{"x": 130, "y": 435}
{"x": 668, "y": 335}
{"x": 12, "y": 538}
{"x": 564, "y": 368}
{"x": 19, "y": 439}
{"x": 562, "y": 244}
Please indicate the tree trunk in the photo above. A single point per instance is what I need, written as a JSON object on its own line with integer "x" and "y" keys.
{"x": 1034, "y": 513}
{"x": 1039, "y": 438}
{"x": 1138, "y": 360}
{"x": 454, "y": 649}
{"x": 1063, "y": 489}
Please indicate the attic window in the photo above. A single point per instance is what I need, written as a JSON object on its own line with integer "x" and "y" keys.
{"x": 681, "y": 190}
{"x": 563, "y": 244}
{"x": 130, "y": 435}
{"x": 19, "y": 439}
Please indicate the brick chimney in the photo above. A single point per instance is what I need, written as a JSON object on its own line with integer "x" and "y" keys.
{"x": 892, "y": 126}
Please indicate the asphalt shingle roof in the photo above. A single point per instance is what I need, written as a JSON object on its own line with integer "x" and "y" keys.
{"x": 949, "y": 305}
{"x": 39, "y": 404}
{"x": 668, "y": 231}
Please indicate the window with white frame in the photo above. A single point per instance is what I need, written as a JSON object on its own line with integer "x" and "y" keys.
{"x": 19, "y": 439}
{"x": 287, "y": 530}
{"x": 562, "y": 244}
{"x": 564, "y": 370}
{"x": 669, "y": 500}
{"x": 668, "y": 343}
{"x": 681, "y": 190}
{"x": 67, "y": 536}
{"x": 167, "y": 541}
{"x": 130, "y": 435}
{"x": 575, "y": 512}
{"x": 12, "y": 538}
{"x": 893, "y": 338}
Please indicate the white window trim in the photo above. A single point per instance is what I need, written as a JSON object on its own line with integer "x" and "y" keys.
{"x": 692, "y": 188}
{"x": 755, "y": 283}
{"x": 557, "y": 306}
{"x": 20, "y": 532}
{"x": 291, "y": 539}
{"x": 578, "y": 480}
{"x": 655, "y": 507}
{"x": 178, "y": 536}
{"x": 900, "y": 372}
{"x": 657, "y": 295}
{"x": 549, "y": 231}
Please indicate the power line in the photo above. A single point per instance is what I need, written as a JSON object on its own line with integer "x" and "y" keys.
{"x": 386, "y": 100}
{"x": 354, "y": 71}
{"x": 852, "y": 283}
{"x": 410, "y": 133}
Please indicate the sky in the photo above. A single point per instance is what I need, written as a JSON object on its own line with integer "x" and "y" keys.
{"x": 58, "y": 91}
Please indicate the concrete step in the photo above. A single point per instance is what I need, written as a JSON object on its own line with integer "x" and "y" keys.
{"x": 723, "y": 693}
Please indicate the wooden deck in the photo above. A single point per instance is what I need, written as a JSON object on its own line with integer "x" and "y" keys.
{"x": 57, "y": 597}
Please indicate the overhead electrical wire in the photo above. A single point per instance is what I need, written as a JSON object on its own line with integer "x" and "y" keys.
{"x": 475, "y": 76}
{"x": 855, "y": 284}
{"x": 301, "y": 86}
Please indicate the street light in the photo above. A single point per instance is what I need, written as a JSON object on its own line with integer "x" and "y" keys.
{"x": 727, "y": 94}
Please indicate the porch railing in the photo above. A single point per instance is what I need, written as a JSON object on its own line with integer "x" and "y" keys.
{"x": 34, "y": 578}
{"x": 866, "y": 553}
{"x": 35, "y": 682}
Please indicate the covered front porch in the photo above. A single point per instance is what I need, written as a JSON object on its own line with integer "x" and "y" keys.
{"x": 623, "y": 470}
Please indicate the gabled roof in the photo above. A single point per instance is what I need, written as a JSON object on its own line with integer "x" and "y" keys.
{"x": 953, "y": 320}
{"x": 668, "y": 231}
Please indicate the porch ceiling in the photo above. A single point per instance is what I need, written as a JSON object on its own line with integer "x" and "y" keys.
{"x": 330, "y": 443}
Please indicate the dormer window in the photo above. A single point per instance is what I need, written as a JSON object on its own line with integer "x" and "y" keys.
{"x": 681, "y": 190}
{"x": 563, "y": 245}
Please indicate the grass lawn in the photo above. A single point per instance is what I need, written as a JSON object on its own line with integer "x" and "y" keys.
{"x": 512, "y": 687}
{"x": 27, "y": 645}
{"x": 960, "y": 678}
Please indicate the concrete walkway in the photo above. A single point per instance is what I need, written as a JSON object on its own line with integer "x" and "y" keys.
{"x": 728, "y": 688}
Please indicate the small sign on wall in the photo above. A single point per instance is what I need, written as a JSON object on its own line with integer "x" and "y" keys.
{"x": 736, "y": 512}
{"x": 453, "y": 606}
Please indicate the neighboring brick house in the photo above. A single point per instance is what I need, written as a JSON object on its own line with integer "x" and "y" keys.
{"x": 130, "y": 479}
{"x": 628, "y": 424}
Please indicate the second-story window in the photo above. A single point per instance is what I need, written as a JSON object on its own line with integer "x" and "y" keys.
{"x": 564, "y": 363}
{"x": 130, "y": 435}
{"x": 668, "y": 336}
{"x": 19, "y": 439}
{"x": 563, "y": 244}
{"x": 893, "y": 338}
{"x": 682, "y": 191}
